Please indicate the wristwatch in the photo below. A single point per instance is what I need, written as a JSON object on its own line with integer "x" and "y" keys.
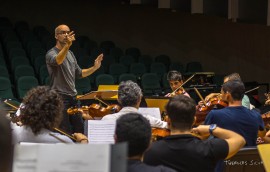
{"x": 211, "y": 128}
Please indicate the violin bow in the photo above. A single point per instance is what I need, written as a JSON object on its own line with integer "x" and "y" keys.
{"x": 199, "y": 94}
{"x": 58, "y": 138}
{"x": 183, "y": 83}
{"x": 66, "y": 134}
{"x": 15, "y": 107}
{"x": 101, "y": 101}
{"x": 252, "y": 89}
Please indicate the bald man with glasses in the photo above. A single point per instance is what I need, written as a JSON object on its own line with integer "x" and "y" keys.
{"x": 63, "y": 70}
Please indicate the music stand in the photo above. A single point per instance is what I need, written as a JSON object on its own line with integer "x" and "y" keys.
{"x": 264, "y": 151}
{"x": 104, "y": 94}
{"x": 159, "y": 102}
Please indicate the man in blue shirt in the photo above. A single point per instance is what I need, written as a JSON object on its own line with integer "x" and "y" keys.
{"x": 236, "y": 117}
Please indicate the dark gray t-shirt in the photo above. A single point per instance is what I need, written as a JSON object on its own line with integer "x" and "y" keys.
{"x": 63, "y": 76}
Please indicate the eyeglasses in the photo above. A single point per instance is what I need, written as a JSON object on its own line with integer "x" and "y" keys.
{"x": 63, "y": 32}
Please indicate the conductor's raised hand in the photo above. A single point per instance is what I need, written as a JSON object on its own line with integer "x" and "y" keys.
{"x": 98, "y": 60}
{"x": 70, "y": 38}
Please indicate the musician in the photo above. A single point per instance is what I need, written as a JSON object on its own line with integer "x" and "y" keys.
{"x": 233, "y": 76}
{"x": 236, "y": 117}
{"x": 266, "y": 107}
{"x": 40, "y": 114}
{"x": 63, "y": 69}
{"x": 134, "y": 129}
{"x": 129, "y": 98}
{"x": 175, "y": 79}
{"x": 267, "y": 137}
{"x": 6, "y": 147}
{"x": 184, "y": 152}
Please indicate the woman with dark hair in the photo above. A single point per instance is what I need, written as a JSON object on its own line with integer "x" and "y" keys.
{"x": 40, "y": 114}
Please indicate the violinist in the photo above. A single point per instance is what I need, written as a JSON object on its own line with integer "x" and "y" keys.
{"x": 136, "y": 130}
{"x": 233, "y": 76}
{"x": 40, "y": 114}
{"x": 6, "y": 146}
{"x": 175, "y": 80}
{"x": 184, "y": 152}
{"x": 265, "y": 111}
{"x": 266, "y": 107}
{"x": 236, "y": 117}
{"x": 267, "y": 137}
{"x": 129, "y": 98}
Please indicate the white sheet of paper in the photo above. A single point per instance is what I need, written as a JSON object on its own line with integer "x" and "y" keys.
{"x": 74, "y": 158}
{"x": 154, "y": 112}
{"x": 101, "y": 132}
{"x": 25, "y": 158}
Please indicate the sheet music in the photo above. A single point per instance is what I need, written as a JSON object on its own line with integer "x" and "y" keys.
{"x": 25, "y": 158}
{"x": 101, "y": 131}
{"x": 74, "y": 158}
{"x": 154, "y": 112}
{"x": 64, "y": 157}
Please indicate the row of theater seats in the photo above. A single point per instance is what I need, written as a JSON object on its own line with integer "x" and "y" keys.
{"x": 22, "y": 53}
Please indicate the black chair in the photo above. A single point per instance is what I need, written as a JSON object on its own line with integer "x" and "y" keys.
{"x": 104, "y": 79}
{"x": 5, "y": 88}
{"x": 134, "y": 52}
{"x": 126, "y": 77}
{"x": 150, "y": 84}
{"x": 83, "y": 85}
{"x": 163, "y": 59}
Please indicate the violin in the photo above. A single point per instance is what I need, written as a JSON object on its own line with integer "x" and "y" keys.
{"x": 159, "y": 133}
{"x": 95, "y": 110}
{"x": 202, "y": 110}
{"x": 266, "y": 119}
{"x": 13, "y": 117}
{"x": 180, "y": 89}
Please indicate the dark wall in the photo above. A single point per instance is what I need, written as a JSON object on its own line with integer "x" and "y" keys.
{"x": 253, "y": 11}
{"x": 221, "y": 46}
{"x": 216, "y": 7}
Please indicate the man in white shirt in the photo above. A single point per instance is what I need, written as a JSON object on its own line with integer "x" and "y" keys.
{"x": 129, "y": 98}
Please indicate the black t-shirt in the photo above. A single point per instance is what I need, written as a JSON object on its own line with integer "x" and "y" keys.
{"x": 138, "y": 166}
{"x": 187, "y": 153}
